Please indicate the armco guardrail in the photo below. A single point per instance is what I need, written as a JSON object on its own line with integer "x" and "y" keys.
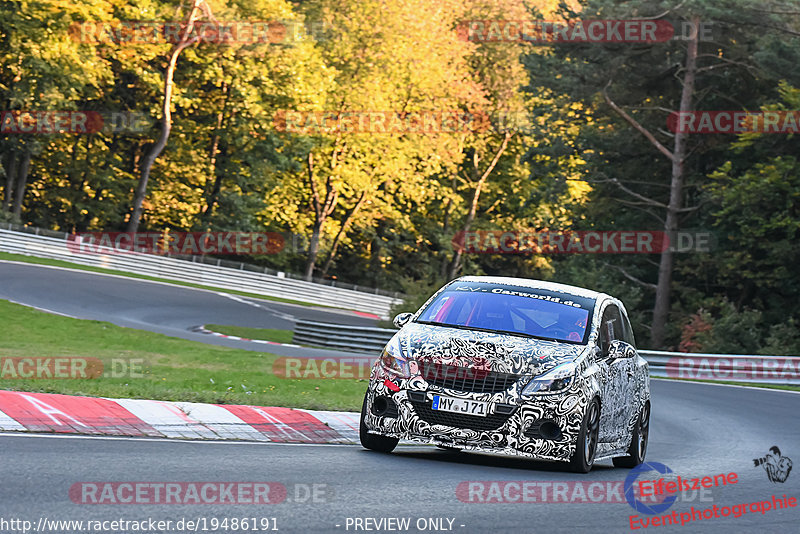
{"x": 783, "y": 370}
{"x": 246, "y": 278}
{"x": 357, "y": 338}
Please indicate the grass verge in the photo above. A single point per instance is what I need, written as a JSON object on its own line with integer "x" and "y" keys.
{"x": 167, "y": 368}
{"x": 265, "y": 334}
{"x": 61, "y": 263}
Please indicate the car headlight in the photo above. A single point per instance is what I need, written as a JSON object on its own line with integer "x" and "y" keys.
{"x": 392, "y": 359}
{"x": 558, "y": 378}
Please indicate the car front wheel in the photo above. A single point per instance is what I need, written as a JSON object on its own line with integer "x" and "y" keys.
{"x": 374, "y": 442}
{"x": 638, "y": 448}
{"x": 586, "y": 448}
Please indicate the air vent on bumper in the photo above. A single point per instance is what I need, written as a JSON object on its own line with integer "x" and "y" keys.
{"x": 544, "y": 429}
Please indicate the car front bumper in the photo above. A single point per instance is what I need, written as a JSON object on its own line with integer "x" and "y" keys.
{"x": 543, "y": 427}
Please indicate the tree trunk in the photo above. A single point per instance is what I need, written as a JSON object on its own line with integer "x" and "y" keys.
{"x": 455, "y": 265}
{"x": 446, "y": 229}
{"x": 313, "y": 251}
{"x": 213, "y": 194}
{"x": 22, "y": 181}
{"x": 342, "y": 230}
{"x": 166, "y": 119}
{"x": 663, "y": 286}
{"x": 322, "y": 210}
{"x": 11, "y": 177}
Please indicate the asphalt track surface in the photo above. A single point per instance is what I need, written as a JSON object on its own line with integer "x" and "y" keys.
{"x": 158, "y": 307}
{"x": 696, "y": 429}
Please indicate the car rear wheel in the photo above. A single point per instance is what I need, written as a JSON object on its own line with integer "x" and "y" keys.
{"x": 638, "y": 447}
{"x": 586, "y": 448}
{"x": 374, "y": 442}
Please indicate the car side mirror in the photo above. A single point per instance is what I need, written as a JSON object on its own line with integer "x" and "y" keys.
{"x": 401, "y": 319}
{"x": 618, "y": 350}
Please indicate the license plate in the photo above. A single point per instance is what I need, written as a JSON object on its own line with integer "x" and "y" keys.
{"x": 464, "y": 406}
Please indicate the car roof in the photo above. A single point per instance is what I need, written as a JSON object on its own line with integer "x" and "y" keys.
{"x": 536, "y": 284}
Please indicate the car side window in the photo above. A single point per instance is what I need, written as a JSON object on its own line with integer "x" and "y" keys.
{"x": 610, "y": 328}
{"x": 628, "y": 331}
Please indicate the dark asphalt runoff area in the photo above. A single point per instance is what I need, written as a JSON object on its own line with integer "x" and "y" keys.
{"x": 159, "y": 307}
{"x": 697, "y": 430}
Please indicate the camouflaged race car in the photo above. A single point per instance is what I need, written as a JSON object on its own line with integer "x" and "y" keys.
{"x": 513, "y": 366}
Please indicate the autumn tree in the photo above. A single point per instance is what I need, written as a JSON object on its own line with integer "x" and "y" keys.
{"x": 389, "y": 59}
{"x": 654, "y": 177}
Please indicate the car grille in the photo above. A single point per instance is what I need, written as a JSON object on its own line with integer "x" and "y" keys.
{"x": 471, "y": 422}
{"x": 466, "y": 379}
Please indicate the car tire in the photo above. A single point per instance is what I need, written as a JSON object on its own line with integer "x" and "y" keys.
{"x": 586, "y": 447}
{"x": 374, "y": 442}
{"x": 638, "y": 446}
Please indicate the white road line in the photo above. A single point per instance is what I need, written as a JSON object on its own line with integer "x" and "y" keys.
{"x": 159, "y": 440}
{"x": 725, "y": 385}
{"x": 41, "y": 309}
{"x": 242, "y": 300}
{"x": 210, "y": 289}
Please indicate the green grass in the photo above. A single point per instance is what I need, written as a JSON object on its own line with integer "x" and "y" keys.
{"x": 173, "y": 369}
{"x": 754, "y": 385}
{"x": 60, "y": 263}
{"x": 266, "y": 334}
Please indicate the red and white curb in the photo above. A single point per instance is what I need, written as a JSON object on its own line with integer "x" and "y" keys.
{"x": 204, "y": 330}
{"x": 46, "y": 412}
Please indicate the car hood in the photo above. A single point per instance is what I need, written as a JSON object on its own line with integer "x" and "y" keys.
{"x": 484, "y": 350}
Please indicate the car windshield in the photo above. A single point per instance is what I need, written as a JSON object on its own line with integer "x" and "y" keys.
{"x": 511, "y": 310}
